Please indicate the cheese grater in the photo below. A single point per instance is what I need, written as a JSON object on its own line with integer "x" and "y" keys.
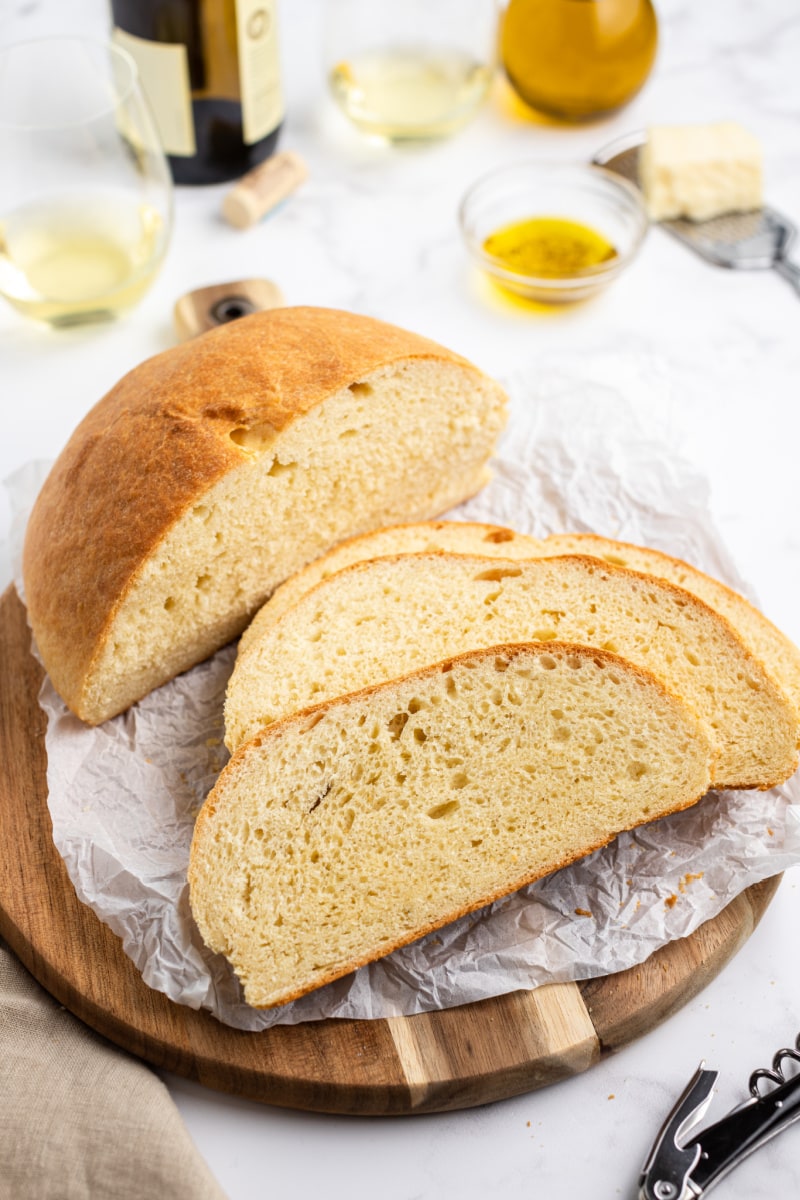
{"x": 750, "y": 241}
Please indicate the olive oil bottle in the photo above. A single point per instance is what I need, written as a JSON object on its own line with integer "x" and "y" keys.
{"x": 577, "y": 59}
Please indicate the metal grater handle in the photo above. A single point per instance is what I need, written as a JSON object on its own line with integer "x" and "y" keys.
{"x": 790, "y": 272}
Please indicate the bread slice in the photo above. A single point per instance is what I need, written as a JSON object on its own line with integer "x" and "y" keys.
{"x": 348, "y": 830}
{"x": 382, "y": 618}
{"x": 778, "y": 654}
{"x": 775, "y": 650}
{"x": 215, "y": 470}
{"x": 457, "y": 537}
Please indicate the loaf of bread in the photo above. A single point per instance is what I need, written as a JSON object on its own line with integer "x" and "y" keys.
{"x": 341, "y": 833}
{"x": 379, "y": 619}
{"x": 777, "y": 653}
{"x": 213, "y": 471}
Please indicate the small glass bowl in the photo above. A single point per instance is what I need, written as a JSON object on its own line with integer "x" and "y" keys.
{"x": 585, "y": 193}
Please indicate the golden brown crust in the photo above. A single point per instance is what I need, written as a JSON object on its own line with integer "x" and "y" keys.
{"x": 160, "y": 439}
{"x": 317, "y": 711}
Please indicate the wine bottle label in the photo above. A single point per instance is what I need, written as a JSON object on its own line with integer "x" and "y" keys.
{"x": 259, "y": 67}
{"x": 164, "y": 75}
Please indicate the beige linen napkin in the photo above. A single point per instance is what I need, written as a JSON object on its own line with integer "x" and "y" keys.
{"x": 80, "y": 1119}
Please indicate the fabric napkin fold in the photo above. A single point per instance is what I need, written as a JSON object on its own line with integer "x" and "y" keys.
{"x": 80, "y": 1119}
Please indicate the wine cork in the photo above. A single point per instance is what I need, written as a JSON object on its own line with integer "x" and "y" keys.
{"x": 261, "y": 189}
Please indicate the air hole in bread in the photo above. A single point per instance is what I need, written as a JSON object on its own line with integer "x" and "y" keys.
{"x": 360, "y": 389}
{"x": 495, "y": 574}
{"x": 279, "y": 468}
{"x": 499, "y": 536}
{"x": 169, "y": 603}
{"x": 397, "y": 725}
{"x": 254, "y": 440}
{"x": 544, "y": 635}
{"x": 444, "y": 810}
{"x": 420, "y": 735}
{"x": 459, "y": 781}
{"x": 202, "y": 512}
{"x": 202, "y": 582}
{"x": 692, "y": 658}
{"x": 348, "y": 433}
{"x": 547, "y": 663}
{"x": 312, "y": 721}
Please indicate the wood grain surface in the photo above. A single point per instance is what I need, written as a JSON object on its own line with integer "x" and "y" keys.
{"x": 433, "y": 1062}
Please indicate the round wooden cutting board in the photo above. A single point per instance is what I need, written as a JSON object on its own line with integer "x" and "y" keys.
{"x": 436, "y": 1061}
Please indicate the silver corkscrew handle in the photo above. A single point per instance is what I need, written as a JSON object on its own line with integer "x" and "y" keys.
{"x": 725, "y": 1144}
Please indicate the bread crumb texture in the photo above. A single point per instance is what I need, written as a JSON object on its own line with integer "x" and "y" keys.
{"x": 343, "y": 832}
{"x": 216, "y": 470}
{"x": 381, "y": 618}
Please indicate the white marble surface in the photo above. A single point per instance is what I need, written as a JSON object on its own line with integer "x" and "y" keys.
{"x": 375, "y": 230}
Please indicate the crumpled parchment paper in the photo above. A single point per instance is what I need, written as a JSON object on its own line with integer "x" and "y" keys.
{"x": 585, "y": 450}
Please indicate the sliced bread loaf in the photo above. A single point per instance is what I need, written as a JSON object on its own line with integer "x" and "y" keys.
{"x": 382, "y": 618}
{"x": 341, "y": 833}
{"x": 778, "y": 654}
{"x": 215, "y": 470}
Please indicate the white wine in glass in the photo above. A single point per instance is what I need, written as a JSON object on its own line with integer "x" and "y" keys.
{"x": 410, "y": 72}
{"x": 85, "y": 191}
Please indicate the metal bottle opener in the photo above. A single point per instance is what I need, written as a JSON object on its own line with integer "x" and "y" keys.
{"x": 684, "y": 1166}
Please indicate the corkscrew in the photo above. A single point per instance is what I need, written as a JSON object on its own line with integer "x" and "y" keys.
{"x": 684, "y": 1165}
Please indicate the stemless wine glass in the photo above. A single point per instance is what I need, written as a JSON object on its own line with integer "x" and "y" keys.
{"x": 85, "y": 191}
{"x": 413, "y": 71}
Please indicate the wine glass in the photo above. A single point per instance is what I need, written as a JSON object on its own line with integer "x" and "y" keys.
{"x": 85, "y": 191}
{"x": 410, "y": 72}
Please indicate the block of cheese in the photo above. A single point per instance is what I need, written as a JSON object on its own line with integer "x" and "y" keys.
{"x": 215, "y": 470}
{"x": 777, "y": 652}
{"x": 341, "y": 833}
{"x": 387, "y": 616}
{"x": 700, "y": 171}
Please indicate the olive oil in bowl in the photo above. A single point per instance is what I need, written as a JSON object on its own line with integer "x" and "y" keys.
{"x": 553, "y": 232}
{"x": 548, "y": 247}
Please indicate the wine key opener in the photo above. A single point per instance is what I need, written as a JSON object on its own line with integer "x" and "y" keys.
{"x": 684, "y": 1165}
{"x": 207, "y": 307}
